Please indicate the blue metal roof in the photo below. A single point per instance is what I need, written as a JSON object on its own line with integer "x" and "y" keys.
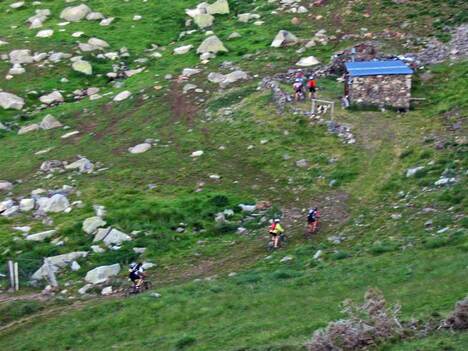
{"x": 373, "y": 68}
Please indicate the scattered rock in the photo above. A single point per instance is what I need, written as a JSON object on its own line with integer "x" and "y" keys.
{"x": 106, "y": 291}
{"x": 10, "y": 101}
{"x": 411, "y": 172}
{"x": 56, "y": 203}
{"x": 28, "y": 129}
{"x": 111, "y": 236}
{"x": 45, "y": 33}
{"x": 51, "y": 98}
{"x": 211, "y": 44}
{"x": 58, "y": 262}
{"x": 92, "y": 224}
{"x": 284, "y": 38}
{"x": 286, "y": 259}
{"x": 83, "y": 67}
{"x": 181, "y": 50}
{"x": 27, "y": 205}
{"x": 122, "y": 96}
{"x": 140, "y": 148}
{"x": 83, "y": 165}
{"x": 197, "y": 153}
{"x": 21, "y": 56}
{"x": 41, "y": 236}
{"x": 307, "y": 61}
{"x": 50, "y": 122}
{"x": 75, "y": 13}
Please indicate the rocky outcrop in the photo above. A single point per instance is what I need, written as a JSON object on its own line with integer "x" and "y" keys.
{"x": 57, "y": 262}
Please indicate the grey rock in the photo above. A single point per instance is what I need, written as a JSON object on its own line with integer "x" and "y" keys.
{"x": 28, "y": 129}
{"x": 284, "y": 38}
{"x": 11, "y": 101}
{"x": 58, "y": 262}
{"x": 75, "y": 13}
{"x": 101, "y": 274}
{"x": 211, "y": 44}
{"x": 50, "y": 122}
{"x": 91, "y": 224}
{"x": 57, "y": 203}
{"x": 51, "y": 98}
{"x": 41, "y": 236}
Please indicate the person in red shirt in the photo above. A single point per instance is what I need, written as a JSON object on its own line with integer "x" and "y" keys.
{"x": 312, "y": 87}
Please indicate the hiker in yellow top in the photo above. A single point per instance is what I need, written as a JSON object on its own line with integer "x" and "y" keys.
{"x": 275, "y": 231}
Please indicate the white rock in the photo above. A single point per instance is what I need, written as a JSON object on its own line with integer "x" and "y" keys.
{"x": 10, "y": 101}
{"x": 41, "y": 236}
{"x": 16, "y": 70}
{"x": 57, "y": 203}
{"x": 106, "y": 21}
{"x": 98, "y": 43}
{"x": 246, "y": 17}
{"x": 83, "y": 165}
{"x": 101, "y": 274}
{"x": 307, "y": 61}
{"x": 234, "y": 35}
{"x": 317, "y": 255}
{"x": 111, "y": 236}
{"x": 188, "y": 72}
{"x": 75, "y": 13}
{"x": 21, "y": 56}
{"x": 181, "y": 50}
{"x": 17, "y": 5}
{"x": 410, "y": 172}
{"x": 27, "y": 205}
{"x": 203, "y": 20}
{"x": 248, "y": 208}
{"x": 85, "y": 288}
{"x": 122, "y": 95}
{"x": 13, "y": 210}
{"x": 45, "y": 33}
{"x": 50, "y": 122}
{"x": 77, "y": 34}
{"x": 94, "y": 16}
{"x": 286, "y": 259}
{"x": 106, "y": 291}
{"x": 284, "y": 38}
{"x": 58, "y": 262}
{"x": 140, "y": 148}
{"x": 53, "y": 97}
{"x": 91, "y": 224}
{"x": 70, "y": 134}
{"x": 197, "y": 153}
{"x": 75, "y": 266}
{"x": 139, "y": 250}
{"x": 28, "y": 129}
{"x": 97, "y": 249}
{"x": 83, "y": 67}
{"x": 211, "y": 44}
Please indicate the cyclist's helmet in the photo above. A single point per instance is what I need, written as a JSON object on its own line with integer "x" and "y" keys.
{"x": 277, "y": 220}
{"x": 132, "y": 265}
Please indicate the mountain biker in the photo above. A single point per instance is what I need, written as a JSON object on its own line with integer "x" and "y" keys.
{"x": 275, "y": 231}
{"x": 312, "y": 87}
{"x": 136, "y": 274}
{"x": 313, "y": 219}
{"x": 298, "y": 87}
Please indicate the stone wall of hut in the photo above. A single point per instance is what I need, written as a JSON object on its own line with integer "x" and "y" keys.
{"x": 388, "y": 90}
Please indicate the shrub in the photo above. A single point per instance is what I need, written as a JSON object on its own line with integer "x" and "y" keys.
{"x": 367, "y": 325}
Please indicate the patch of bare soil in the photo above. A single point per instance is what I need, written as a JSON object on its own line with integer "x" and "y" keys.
{"x": 182, "y": 108}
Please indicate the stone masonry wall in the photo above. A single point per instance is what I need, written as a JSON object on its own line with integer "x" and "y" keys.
{"x": 390, "y": 90}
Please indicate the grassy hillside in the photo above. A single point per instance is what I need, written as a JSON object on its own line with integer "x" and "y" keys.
{"x": 404, "y": 235}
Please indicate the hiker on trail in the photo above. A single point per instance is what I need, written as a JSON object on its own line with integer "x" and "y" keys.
{"x": 313, "y": 219}
{"x": 312, "y": 87}
{"x": 275, "y": 231}
{"x": 136, "y": 274}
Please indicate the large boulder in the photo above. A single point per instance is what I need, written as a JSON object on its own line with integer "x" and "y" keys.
{"x": 211, "y": 44}
{"x": 91, "y": 224}
{"x": 21, "y": 56}
{"x": 101, "y": 274}
{"x": 5, "y": 185}
{"x": 111, "y": 236}
{"x": 284, "y": 38}
{"x": 83, "y": 165}
{"x": 40, "y": 236}
{"x": 10, "y": 101}
{"x": 82, "y": 66}
{"x": 57, "y": 203}
{"x": 57, "y": 262}
{"x": 51, "y": 98}
{"x": 49, "y": 122}
{"x": 75, "y": 13}
{"x": 28, "y": 129}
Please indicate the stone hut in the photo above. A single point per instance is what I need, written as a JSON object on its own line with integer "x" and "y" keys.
{"x": 380, "y": 83}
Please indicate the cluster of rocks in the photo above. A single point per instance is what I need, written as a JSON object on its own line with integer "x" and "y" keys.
{"x": 225, "y": 80}
{"x": 47, "y": 123}
{"x": 82, "y": 165}
{"x": 54, "y": 202}
{"x": 202, "y": 15}
{"x": 343, "y": 131}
